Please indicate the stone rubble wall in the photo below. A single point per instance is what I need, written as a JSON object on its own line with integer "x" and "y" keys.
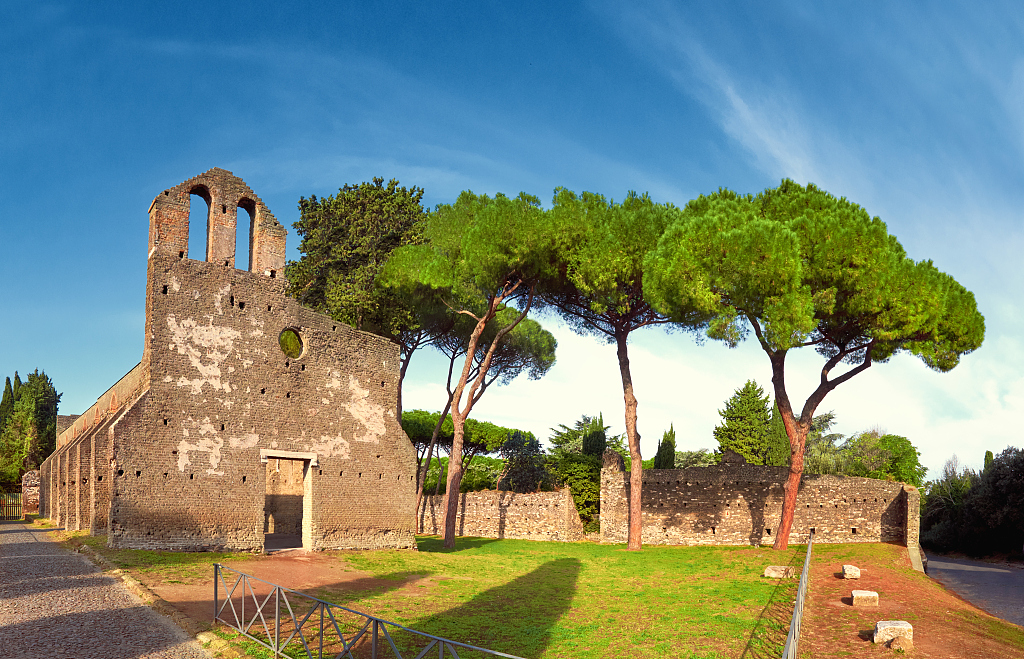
{"x": 30, "y": 492}
{"x": 489, "y": 514}
{"x": 176, "y": 454}
{"x": 742, "y": 505}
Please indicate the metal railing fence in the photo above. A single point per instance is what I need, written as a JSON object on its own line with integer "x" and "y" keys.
{"x": 793, "y": 639}
{"x": 293, "y": 624}
{"x": 10, "y": 507}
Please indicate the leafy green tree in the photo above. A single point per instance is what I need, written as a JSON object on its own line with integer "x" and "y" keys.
{"x": 888, "y": 457}
{"x": 944, "y": 524}
{"x": 346, "y": 240}
{"x": 665, "y": 457}
{"x": 528, "y": 348}
{"x": 16, "y": 440}
{"x": 825, "y": 452}
{"x": 481, "y": 474}
{"x": 745, "y": 423}
{"x": 29, "y": 432}
{"x": 602, "y": 292}
{"x": 581, "y": 473}
{"x": 995, "y": 506}
{"x": 525, "y": 469}
{"x": 40, "y": 390}
{"x": 802, "y": 268}
{"x": 989, "y": 459}
{"x": 699, "y": 458}
{"x": 481, "y": 255}
{"x": 576, "y": 460}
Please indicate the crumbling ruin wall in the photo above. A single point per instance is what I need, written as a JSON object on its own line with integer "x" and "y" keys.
{"x": 181, "y": 461}
{"x": 30, "y": 492}
{"x": 538, "y": 516}
{"x": 742, "y": 505}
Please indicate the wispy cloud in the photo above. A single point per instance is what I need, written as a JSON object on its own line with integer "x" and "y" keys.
{"x": 765, "y": 119}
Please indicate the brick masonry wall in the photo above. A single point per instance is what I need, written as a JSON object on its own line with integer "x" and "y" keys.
{"x": 742, "y": 505}
{"x": 539, "y": 516}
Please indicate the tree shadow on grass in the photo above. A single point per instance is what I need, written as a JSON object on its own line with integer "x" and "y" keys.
{"x": 434, "y": 543}
{"x": 768, "y": 637}
{"x": 516, "y": 618}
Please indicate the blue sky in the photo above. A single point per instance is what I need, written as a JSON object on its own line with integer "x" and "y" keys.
{"x": 914, "y": 111}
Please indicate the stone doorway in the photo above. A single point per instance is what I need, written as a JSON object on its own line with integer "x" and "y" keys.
{"x": 285, "y": 526}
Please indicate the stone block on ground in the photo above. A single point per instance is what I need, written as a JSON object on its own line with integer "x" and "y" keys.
{"x": 780, "y": 572}
{"x": 865, "y": 598}
{"x": 887, "y": 630}
{"x": 851, "y": 572}
{"x": 901, "y": 643}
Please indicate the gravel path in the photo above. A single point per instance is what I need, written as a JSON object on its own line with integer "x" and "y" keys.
{"x": 55, "y": 603}
{"x": 995, "y": 588}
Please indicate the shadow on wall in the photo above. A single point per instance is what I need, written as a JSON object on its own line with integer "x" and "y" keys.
{"x": 535, "y": 602}
{"x": 213, "y": 528}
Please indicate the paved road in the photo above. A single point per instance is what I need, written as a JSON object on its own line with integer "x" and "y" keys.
{"x": 56, "y": 604}
{"x": 996, "y": 588}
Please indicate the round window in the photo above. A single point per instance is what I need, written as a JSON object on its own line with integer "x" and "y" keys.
{"x": 291, "y": 343}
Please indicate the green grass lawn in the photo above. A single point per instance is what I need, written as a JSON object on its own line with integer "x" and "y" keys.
{"x": 550, "y": 599}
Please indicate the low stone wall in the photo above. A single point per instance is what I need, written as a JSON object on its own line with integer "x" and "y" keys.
{"x": 30, "y": 492}
{"x": 539, "y": 516}
{"x": 742, "y": 505}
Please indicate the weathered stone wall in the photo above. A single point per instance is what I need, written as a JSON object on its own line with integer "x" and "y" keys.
{"x": 539, "y": 516}
{"x": 742, "y": 505}
{"x": 175, "y": 456}
{"x": 30, "y": 492}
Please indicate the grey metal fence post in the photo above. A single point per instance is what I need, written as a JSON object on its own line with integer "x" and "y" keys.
{"x": 216, "y": 578}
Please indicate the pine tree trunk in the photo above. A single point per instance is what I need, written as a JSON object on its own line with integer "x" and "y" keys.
{"x": 636, "y": 461}
{"x": 421, "y": 478}
{"x": 451, "y": 497}
{"x": 797, "y": 438}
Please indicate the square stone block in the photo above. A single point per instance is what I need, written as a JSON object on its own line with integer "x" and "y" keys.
{"x": 865, "y": 598}
{"x": 851, "y": 572}
{"x": 886, "y": 630}
{"x": 780, "y": 572}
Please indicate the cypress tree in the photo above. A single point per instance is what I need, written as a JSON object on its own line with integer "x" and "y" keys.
{"x": 6, "y": 404}
{"x": 595, "y": 439}
{"x": 776, "y": 450}
{"x": 46, "y": 399}
{"x": 745, "y": 422}
{"x": 665, "y": 458}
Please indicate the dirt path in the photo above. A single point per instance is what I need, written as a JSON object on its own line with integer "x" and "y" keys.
{"x": 945, "y": 626}
{"x": 313, "y": 574}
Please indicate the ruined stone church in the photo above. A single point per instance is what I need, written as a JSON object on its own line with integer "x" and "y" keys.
{"x": 248, "y": 413}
